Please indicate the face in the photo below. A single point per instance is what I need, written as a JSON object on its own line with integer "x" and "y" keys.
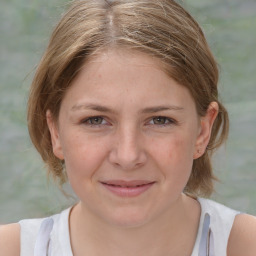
{"x": 128, "y": 134}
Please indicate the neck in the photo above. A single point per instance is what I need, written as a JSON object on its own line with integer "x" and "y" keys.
{"x": 172, "y": 233}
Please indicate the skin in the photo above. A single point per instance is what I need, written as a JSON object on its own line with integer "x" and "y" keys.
{"x": 128, "y": 145}
{"x": 128, "y": 92}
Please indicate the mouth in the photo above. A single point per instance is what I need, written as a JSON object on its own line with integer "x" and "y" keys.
{"x": 127, "y": 188}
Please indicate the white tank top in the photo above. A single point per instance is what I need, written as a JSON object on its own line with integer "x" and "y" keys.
{"x": 50, "y": 236}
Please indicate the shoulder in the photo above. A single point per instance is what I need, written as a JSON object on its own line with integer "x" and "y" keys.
{"x": 10, "y": 240}
{"x": 221, "y": 215}
{"x": 243, "y": 236}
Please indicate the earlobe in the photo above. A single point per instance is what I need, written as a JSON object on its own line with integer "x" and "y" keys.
{"x": 55, "y": 138}
{"x": 206, "y": 125}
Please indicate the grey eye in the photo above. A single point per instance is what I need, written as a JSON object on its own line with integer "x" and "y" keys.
{"x": 159, "y": 120}
{"x": 95, "y": 120}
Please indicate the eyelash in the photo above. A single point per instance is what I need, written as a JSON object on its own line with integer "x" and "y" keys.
{"x": 170, "y": 121}
{"x": 88, "y": 120}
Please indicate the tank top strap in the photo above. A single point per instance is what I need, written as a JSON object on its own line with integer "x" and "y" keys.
{"x": 216, "y": 222}
{"x": 42, "y": 245}
{"x": 46, "y": 237}
{"x": 206, "y": 246}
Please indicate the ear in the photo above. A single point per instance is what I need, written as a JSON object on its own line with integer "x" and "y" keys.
{"x": 55, "y": 137}
{"x": 206, "y": 124}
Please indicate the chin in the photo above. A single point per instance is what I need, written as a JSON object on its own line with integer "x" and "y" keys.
{"x": 127, "y": 218}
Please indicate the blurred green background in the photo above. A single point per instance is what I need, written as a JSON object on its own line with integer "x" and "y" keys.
{"x": 25, "y": 26}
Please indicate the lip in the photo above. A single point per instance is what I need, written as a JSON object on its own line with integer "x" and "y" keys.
{"x": 127, "y": 188}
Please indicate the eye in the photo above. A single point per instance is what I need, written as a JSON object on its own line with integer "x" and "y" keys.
{"x": 161, "y": 120}
{"x": 95, "y": 120}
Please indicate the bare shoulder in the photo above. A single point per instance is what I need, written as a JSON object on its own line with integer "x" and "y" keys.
{"x": 10, "y": 240}
{"x": 243, "y": 236}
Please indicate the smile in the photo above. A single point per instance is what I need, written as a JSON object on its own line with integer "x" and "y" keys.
{"x": 127, "y": 188}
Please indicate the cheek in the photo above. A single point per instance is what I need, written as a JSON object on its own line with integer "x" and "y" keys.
{"x": 83, "y": 156}
{"x": 174, "y": 148}
{"x": 180, "y": 148}
{"x": 174, "y": 155}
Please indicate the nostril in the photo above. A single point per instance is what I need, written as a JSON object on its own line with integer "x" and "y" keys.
{"x": 127, "y": 154}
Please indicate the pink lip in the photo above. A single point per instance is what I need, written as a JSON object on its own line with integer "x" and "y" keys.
{"x": 127, "y": 188}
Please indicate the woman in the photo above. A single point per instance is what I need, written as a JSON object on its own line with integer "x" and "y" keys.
{"x": 124, "y": 105}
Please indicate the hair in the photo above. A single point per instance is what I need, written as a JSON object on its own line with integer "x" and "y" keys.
{"x": 159, "y": 28}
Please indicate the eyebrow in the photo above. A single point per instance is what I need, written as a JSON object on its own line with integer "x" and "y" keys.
{"x": 161, "y": 108}
{"x": 147, "y": 110}
{"x": 92, "y": 107}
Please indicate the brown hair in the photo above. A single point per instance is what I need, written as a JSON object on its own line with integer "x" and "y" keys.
{"x": 161, "y": 29}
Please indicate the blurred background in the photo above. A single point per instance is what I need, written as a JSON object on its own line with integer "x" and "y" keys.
{"x": 25, "y": 27}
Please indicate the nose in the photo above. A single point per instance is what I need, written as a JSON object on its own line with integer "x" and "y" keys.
{"x": 127, "y": 151}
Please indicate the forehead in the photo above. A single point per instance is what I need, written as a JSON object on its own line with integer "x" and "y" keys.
{"x": 122, "y": 58}
{"x": 116, "y": 75}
